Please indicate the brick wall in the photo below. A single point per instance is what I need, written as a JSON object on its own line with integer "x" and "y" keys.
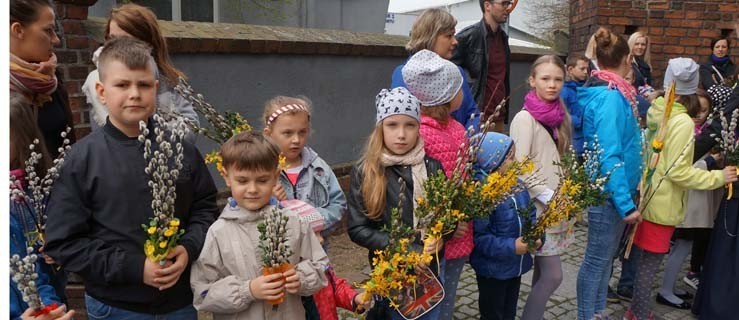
{"x": 675, "y": 28}
{"x": 74, "y": 53}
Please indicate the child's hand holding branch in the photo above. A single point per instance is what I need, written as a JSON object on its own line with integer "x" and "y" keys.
{"x": 521, "y": 247}
{"x": 269, "y": 287}
{"x": 292, "y": 281}
{"x": 170, "y": 274}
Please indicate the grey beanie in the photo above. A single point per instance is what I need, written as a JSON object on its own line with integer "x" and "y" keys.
{"x": 397, "y": 101}
{"x": 684, "y": 71}
{"x": 431, "y": 78}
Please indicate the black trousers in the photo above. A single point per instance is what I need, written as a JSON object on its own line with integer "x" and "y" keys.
{"x": 498, "y": 298}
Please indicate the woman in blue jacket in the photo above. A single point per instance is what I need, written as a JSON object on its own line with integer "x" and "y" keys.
{"x": 500, "y": 256}
{"x": 610, "y": 117}
{"x": 434, "y": 31}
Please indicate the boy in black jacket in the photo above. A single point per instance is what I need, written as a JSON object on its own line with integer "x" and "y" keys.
{"x": 102, "y": 198}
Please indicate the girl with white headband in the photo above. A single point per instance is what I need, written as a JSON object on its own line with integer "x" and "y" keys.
{"x": 306, "y": 177}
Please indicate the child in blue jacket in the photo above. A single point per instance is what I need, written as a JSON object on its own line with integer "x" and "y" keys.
{"x": 500, "y": 256}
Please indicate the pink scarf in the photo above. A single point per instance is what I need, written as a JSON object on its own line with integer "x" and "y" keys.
{"x": 37, "y": 81}
{"x": 623, "y": 86}
{"x": 20, "y": 175}
{"x": 549, "y": 114}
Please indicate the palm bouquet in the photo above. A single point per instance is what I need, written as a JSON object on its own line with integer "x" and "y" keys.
{"x": 23, "y": 273}
{"x": 458, "y": 199}
{"x": 273, "y": 243}
{"x": 581, "y": 186}
{"x": 164, "y": 156}
{"x": 39, "y": 188}
{"x": 223, "y": 125}
{"x": 393, "y": 268}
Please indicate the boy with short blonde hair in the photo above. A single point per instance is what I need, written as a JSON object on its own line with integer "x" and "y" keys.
{"x": 102, "y": 198}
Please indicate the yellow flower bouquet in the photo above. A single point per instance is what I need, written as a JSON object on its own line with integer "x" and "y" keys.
{"x": 582, "y": 185}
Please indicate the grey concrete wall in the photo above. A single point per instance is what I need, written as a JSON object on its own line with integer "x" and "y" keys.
{"x": 351, "y": 15}
{"x": 342, "y": 89}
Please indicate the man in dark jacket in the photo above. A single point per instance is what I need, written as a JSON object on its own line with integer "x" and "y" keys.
{"x": 484, "y": 53}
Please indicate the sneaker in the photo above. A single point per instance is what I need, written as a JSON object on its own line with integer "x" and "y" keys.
{"x": 692, "y": 280}
{"x": 625, "y": 293}
{"x": 612, "y": 297}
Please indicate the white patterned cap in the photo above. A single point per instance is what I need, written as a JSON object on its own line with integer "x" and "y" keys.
{"x": 397, "y": 101}
{"x": 431, "y": 78}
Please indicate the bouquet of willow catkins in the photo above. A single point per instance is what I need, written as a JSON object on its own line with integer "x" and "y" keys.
{"x": 164, "y": 156}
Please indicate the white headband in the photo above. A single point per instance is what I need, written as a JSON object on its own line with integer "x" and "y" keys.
{"x": 289, "y": 107}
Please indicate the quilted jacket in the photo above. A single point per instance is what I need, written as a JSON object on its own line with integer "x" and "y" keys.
{"x": 442, "y": 143}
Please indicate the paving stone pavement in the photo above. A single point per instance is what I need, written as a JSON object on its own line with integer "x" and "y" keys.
{"x": 563, "y": 303}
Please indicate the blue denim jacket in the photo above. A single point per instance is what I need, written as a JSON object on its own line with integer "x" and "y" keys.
{"x": 317, "y": 185}
{"x": 18, "y": 246}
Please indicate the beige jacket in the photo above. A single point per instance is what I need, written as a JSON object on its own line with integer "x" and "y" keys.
{"x": 533, "y": 140}
{"x": 230, "y": 260}
{"x": 702, "y": 205}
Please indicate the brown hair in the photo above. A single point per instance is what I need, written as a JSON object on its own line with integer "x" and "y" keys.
{"x": 702, "y": 94}
{"x": 280, "y": 101}
{"x": 691, "y": 103}
{"x": 141, "y": 23}
{"x": 428, "y": 26}
{"x": 374, "y": 182}
{"x": 250, "y": 151}
{"x": 572, "y": 59}
{"x": 439, "y": 113}
{"x": 23, "y": 130}
{"x": 133, "y": 53}
{"x": 610, "y": 48}
{"x": 565, "y": 128}
{"x": 26, "y": 11}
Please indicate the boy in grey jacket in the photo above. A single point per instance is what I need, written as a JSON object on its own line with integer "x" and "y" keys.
{"x": 227, "y": 278}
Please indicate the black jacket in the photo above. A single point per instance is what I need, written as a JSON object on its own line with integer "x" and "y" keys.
{"x": 642, "y": 73}
{"x": 472, "y": 54}
{"x": 366, "y": 232}
{"x": 54, "y": 117}
{"x": 96, "y": 210}
{"x": 708, "y": 75}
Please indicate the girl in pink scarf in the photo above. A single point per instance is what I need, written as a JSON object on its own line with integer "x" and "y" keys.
{"x": 542, "y": 132}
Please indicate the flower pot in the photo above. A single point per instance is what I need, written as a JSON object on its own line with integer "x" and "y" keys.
{"x": 272, "y": 270}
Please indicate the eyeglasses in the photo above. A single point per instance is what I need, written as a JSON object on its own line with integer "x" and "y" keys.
{"x": 504, "y": 4}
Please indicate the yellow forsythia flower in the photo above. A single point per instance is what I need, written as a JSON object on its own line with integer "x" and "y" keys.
{"x": 148, "y": 249}
{"x": 174, "y": 223}
{"x": 169, "y": 232}
{"x": 163, "y": 244}
{"x": 152, "y": 230}
{"x": 658, "y": 145}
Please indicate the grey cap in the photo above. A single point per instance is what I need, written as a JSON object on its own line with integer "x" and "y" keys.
{"x": 397, "y": 101}
{"x": 431, "y": 78}
{"x": 684, "y": 71}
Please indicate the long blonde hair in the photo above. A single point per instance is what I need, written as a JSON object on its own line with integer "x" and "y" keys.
{"x": 427, "y": 28}
{"x": 647, "y": 52}
{"x": 374, "y": 182}
{"x": 565, "y": 128}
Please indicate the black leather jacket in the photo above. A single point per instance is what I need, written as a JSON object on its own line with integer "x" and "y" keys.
{"x": 366, "y": 232}
{"x": 472, "y": 55}
{"x": 709, "y": 77}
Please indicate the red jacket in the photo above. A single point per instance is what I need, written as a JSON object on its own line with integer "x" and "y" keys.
{"x": 442, "y": 142}
{"x": 338, "y": 293}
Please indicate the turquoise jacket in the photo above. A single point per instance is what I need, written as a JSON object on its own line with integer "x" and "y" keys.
{"x": 608, "y": 115}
